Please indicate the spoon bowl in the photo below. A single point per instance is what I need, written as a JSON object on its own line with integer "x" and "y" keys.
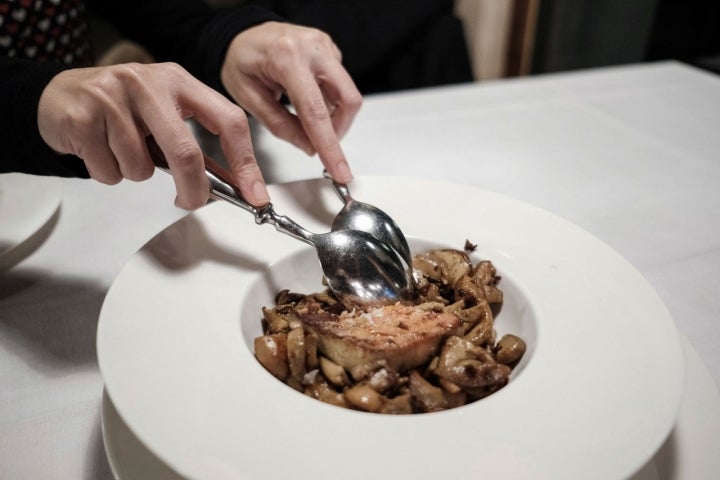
{"x": 356, "y": 215}
{"x": 359, "y": 269}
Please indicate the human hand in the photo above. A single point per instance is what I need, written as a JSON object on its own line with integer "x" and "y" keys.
{"x": 271, "y": 59}
{"x": 104, "y": 115}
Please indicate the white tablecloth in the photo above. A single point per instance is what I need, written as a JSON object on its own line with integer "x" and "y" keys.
{"x": 631, "y": 154}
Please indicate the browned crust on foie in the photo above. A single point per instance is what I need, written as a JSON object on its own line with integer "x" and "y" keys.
{"x": 401, "y": 335}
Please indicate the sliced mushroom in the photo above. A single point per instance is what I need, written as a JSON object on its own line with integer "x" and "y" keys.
{"x": 469, "y": 366}
{"x": 326, "y": 298}
{"x": 276, "y": 322}
{"x": 311, "y": 351}
{"x": 398, "y": 405}
{"x": 432, "y": 293}
{"x": 483, "y": 332}
{"x": 455, "y": 399}
{"x": 286, "y": 297}
{"x": 296, "y": 353}
{"x": 426, "y": 396}
{"x": 271, "y": 352}
{"x": 444, "y": 265}
{"x": 469, "y": 291}
{"x": 484, "y": 272}
{"x": 333, "y": 372}
{"x": 475, "y": 315}
{"x": 322, "y": 391}
{"x": 492, "y": 294}
{"x": 384, "y": 380}
{"x": 364, "y": 397}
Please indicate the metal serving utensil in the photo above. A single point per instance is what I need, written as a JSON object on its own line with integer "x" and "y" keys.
{"x": 368, "y": 218}
{"x": 359, "y": 269}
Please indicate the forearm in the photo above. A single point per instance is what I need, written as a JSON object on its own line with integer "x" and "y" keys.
{"x": 23, "y": 149}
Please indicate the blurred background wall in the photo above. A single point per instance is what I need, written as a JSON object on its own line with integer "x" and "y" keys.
{"x": 507, "y": 38}
{"x": 574, "y": 34}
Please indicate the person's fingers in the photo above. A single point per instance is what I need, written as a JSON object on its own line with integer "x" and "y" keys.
{"x": 309, "y": 102}
{"x": 85, "y": 112}
{"x": 127, "y": 141}
{"x": 191, "y": 98}
{"x": 186, "y": 163}
{"x": 100, "y": 161}
{"x": 341, "y": 94}
{"x": 305, "y": 64}
{"x": 229, "y": 123}
{"x": 263, "y": 103}
{"x": 104, "y": 115}
{"x": 180, "y": 148}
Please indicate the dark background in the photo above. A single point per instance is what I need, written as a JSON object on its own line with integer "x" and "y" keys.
{"x": 576, "y": 34}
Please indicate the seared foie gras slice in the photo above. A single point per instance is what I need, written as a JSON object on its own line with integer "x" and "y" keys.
{"x": 402, "y": 336}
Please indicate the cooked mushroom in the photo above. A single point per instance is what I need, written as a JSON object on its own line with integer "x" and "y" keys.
{"x": 467, "y": 365}
{"x": 275, "y": 321}
{"x": 311, "y": 351}
{"x": 397, "y": 405}
{"x": 484, "y": 272}
{"x": 333, "y": 372}
{"x": 445, "y": 266}
{"x": 271, "y": 352}
{"x": 510, "y": 349}
{"x": 475, "y": 315}
{"x": 469, "y": 291}
{"x": 364, "y": 397}
{"x": 384, "y": 380}
{"x": 296, "y": 353}
{"x": 426, "y": 396}
{"x": 320, "y": 390}
{"x": 492, "y": 294}
{"x": 483, "y": 332}
{"x": 286, "y": 297}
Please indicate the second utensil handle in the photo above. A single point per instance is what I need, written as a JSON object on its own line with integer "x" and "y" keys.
{"x": 222, "y": 187}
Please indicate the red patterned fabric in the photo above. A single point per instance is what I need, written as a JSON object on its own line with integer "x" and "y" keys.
{"x": 44, "y": 30}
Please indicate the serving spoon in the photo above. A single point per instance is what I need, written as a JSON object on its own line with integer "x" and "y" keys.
{"x": 368, "y": 218}
{"x": 359, "y": 269}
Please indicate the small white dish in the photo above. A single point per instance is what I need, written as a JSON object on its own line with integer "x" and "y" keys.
{"x": 596, "y": 396}
{"x": 27, "y": 205}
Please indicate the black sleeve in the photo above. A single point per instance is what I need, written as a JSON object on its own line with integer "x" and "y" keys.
{"x": 188, "y": 32}
{"x": 21, "y": 147}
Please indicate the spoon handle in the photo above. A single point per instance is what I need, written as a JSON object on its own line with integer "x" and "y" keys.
{"x": 341, "y": 189}
{"x": 222, "y": 187}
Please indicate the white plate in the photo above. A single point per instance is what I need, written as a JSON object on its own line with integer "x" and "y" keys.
{"x": 687, "y": 453}
{"x": 27, "y": 204}
{"x": 595, "y": 397}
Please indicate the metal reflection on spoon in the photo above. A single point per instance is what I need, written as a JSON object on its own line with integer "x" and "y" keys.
{"x": 361, "y": 270}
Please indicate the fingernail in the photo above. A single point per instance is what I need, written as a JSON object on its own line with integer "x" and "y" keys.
{"x": 260, "y": 193}
{"x": 343, "y": 172}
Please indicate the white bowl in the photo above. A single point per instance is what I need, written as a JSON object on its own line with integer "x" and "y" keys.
{"x": 594, "y": 398}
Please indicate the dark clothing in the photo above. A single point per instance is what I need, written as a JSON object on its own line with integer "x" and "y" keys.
{"x": 188, "y": 32}
{"x": 23, "y": 149}
{"x": 44, "y": 30}
{"x": 386, "y": 45}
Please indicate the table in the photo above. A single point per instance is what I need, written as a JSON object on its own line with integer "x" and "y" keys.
{"x": 629, "y": 153}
